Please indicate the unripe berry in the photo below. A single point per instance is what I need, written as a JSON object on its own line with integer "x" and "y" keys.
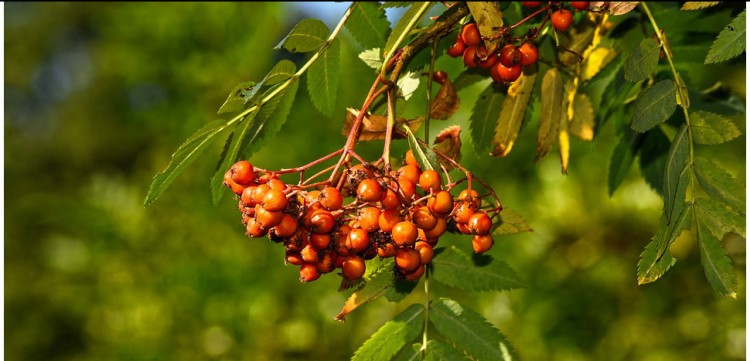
{"x": 404, "y": 234}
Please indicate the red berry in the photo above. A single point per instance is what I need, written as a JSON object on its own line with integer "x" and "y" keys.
{"x": 480, "y": 223}
{"x": 510, "y": 56}
{"x": 470, "y": 57}
{"x": 508, "y": 74}
{"x": 457, "y": 49}
{"x": 580, "y": 5}
{"x": 531, "y": 4}
{"x": 484, "y": 59}
{"x": 322, "y": 222}
{"x": 470, "y": 34}
{"x": 562, "y": 19}
{"x": 529, "y": 53}
{"x": 320, "y": 241}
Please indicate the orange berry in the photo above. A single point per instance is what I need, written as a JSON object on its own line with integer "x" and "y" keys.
{"x": 416, "y": 274}
{"x": 308, "y": 272}
{"x": 410, "y": 172}
{"x": 353, "y": 267}
{"x": 438, "y": 230}
{"x": 331, "y": 198}
{"x": 325, "y": 264}
{"x": 312, "y": 197}
{"x": 470, "y": 56}
{"x": 407, "y": 188}
{"x": 266, "y": 218}
{"x": 358, "y": 240}
{"x": 369, "y": 190}
{"x": 253, "y": 229}
{"x": 260, "y": 192}
{"x": 322, "y": 222}
{"x": 480, "y": 223}
{"x": 294, "y": 258}
{"x": 423, "y": 218}
{"x": 425, "y": 252}
{"x": 386, "y": 250}
{"x": 234, "y": 186}
{"x": 309, "y": 254}
{"x": 430, "y": 181}
{"x": 409, "y": 159}
{"x": 368, "y": 218}
{"x": 274, "y": 200}
{"x": 391, "y": 200}
{"x": 242, "y": 172}
{"x": 286, "y": 228}
{"x": 562, "y": 19}
{"x": 320, "y": 241}
{"x": 529, "y": 53}
{"x": 246, "y": 198}
{"x": 388, "y": 220}
{"x": 441, "y": 203}
{"x": 407, "y": 259}
{"x": 472, "y": 195}
{"x": 277, "y": 184}
{"x": 463, "y": 212}
{"x": 470, "y": 34}
{"x": 482, "y": 243}
{"x": 464, "y": 228}
{"x": 404, "y": 233}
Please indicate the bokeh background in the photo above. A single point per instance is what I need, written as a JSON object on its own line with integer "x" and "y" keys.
{"x": 99, "y": 95}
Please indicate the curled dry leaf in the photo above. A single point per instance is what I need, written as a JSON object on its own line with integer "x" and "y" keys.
{"x": 621, "y": 7}
{"x": 373, "y": 126}
{"x": 448, "y": 142}
{"x": 446, "y": 101}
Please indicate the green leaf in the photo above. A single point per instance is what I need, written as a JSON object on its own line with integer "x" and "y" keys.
{"x": 323, "y": 79}
{"x": 407, "y": 84}
{"x": 396, "y": 4}
{"x": 235, "y": 142}
{"x": 511, "y": 222}
{"x": 620, "y": 162}
{"x": 484, "y": 114}
{"x": 710, "y": 128}
{"x": 650, "y": 266}
{"x": 720, "y": 184}
{"x": 469, "y": 77}
{"x": 308, "y": 35}
{"x": 238, "y": 97}
{"x": 372, "y": 57}
{"x": 373, "y": 288}
{"x": 183, "y": 156}
{"x": 653, "y": 158}
{"x": 425, "y": 156}
{"x": 413, "y": 353}
{"x": 441, "y": 351}
{"x": 455, "y": 268}
{"x": 392, "y": 336}
{"x": 400, "y": 289}
{"x": 470, "y": 331}
{"x": 730, "y": 42}
{"x": 675, "y": 171}
{"x": 512, "y": 114}
{"x": 643, "y": 60}
{"x": 402, "y": 25}
{"x": 552, "y": 110}
{"x": 716, "y": 265}
{"x": 368, "y": 24}
{"x": 682, "y": 221}
{"x": 719, "y": 219}
{"x": 282, "y": 71}
{"x": 654, "y": 106}
{"x": 271, "y": 117}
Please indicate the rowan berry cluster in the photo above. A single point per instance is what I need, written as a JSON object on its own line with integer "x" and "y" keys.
{"x": 507, "y": 64}
{"x": 399, "y": 214}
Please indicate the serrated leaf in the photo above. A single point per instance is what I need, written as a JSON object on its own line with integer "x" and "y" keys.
{"x": 445, "y": 103}
{"x": 392, "y": 336}
{"x": 374, "y": 126}
{"x": 470, "y": 331}
{"x": 402, "y": 26}
{"x": 401, "y": 288}
{"x": 271, "y": 117}
{"x": 710, "y": 128}
{"x": 730, "y": 42}
{"x": 582, "y": 125}
{"x": 576, "y": 39}
{"x": 235, "y": 142}
{"x": 511, "y": 222}
{"x": 643, "y": 60}
{"x": 323, "y": 79}
{"x": 488, "y": 19}
{"x": 672, "y": 230}
{"x": 716, "y": 265}
{"x": 396, "y": 4}
{"x": 440, "y": 351}
{"x": 484, "y": 114}
{"x": 470, "y": 76}
{"x": 653, "y": 158}
{"x": 426, "y": 158}
{"x": 238, "y": 97}
{"x": 448, "y": 142}
{"x": 368, "y": 24}
{"x": 408, "y": 84}
{"x": 697, "y": 5}
{"x": 720, "y": 184}
{"x": 650, "y": 266}
{"x": 373, "y": 289}
{"x": 596, "y": 61}
{"x": 620, "y": 162}
{"x": 453, "y": 267}
{"x": 413, "y": 353}
{"x": 372, "y": 57}
{"x": 308, "y": 35}
{"x": 282, "y": 71}
{"x": 621, "y": 7}
{"x": 552, "y": 108}
{"x": 511, "y": 114}
{"x": 719, "y": 219}
{"x": 183, "y": 156}
{"x": 675, "y": 171}
{"x": 654, "y": 106}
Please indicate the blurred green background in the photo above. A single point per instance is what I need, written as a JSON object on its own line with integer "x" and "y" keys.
{"x": 99, "y": 95}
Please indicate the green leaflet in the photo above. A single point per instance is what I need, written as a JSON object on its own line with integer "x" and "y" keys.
{"x": 470, "y": 76}
{"x": 652, "y": 158}
{"x": 710, "y": 128}
{"x": 308, "y": 35}
{"x": 425, "y": 156}
{"x": 716, "y": 265}
{"x": 552, "y": 109}
{"x": 455, "y": 268}
{"x": 654, "y": 106}
{"x": 620, "y": 162}
{"x": 470, "y": 331}
{"x": 719, "y": 219}
{"x": 720, "y": 184}
{"x": 675, "y": 172}
{"x": 510, "y": 222}
{"x": 235, "y": 142}
{"x": 238, "y": 97}
{"x": 650, "y": 266}
{"x": 402, "y": 25}
{"x": 323, "y": 79}
{"x": 183, "y": 156}
{"x": 642, "y": 61}
{"x": 271, "y": 117}
{"x": 392, "y": 336}
{"x": 282, "y": 71}
{"x": 483, "y": 116}
{"x": 372, "y": 57}
{"x": 368, "y": 24}
{"x": 730, "y": 42}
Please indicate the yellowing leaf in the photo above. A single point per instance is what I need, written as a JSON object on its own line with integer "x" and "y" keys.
{"x": 552, "y": 108}
{"x": 697, "y": 5}
{"x": 511, "y": 115}
{"x": 621, "y": 7}
{"x": 488, "y": 19}
{"x": 564, "y": 143}
{"x": 596, "y": 61}
{"x": 373, "y": 126}
{"x": 582, "y": 123}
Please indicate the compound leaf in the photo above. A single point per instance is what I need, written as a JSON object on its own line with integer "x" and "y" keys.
{"x": 455, "y": 268}
{"x": 323, "y": 79}
{"x": 308, "y": 35}
{"x": 654, "y": 106}
{"x": 730, "y": 42}
{"x": 392, "y": 336}
{"x": 368, "y": 24}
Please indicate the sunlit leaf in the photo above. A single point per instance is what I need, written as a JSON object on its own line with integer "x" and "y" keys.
{"x": 674, "y": 172}
{"x": 582, "y": 125}
{"x": 323, "y": 79}
{"x": 596, "y": 61}
{"x": 654, "y": 106}
{"x": 576, "y": 39}
{"x": 235, "y": 142}
{"x": 407, "y": 84}
{"x": 282, "y": 71}
{"x": 455, "y": 268}
{"x": 710, "y": 128}
{"x": 470, "y": 331}
{"x": 308, "y": 35}
{"x": 488, "y": 19}
{"x": 271, "y": 117}
{"x": 621, "y": 7}
{"x": 372, "y": 57}
{"x": 511, "y": 114}
{"x": 374, "y": 126}
{"x": 403, "y": 23}
{"x": 552, "y": 110}
{"x": 716, "y": 265}
{"x": 698, "y": 5}
{"x": 720, "y": 184}
{"x": 643, "y": 60}
{"x": 396, "y": 4}
{"x": 368, "y": 24}
{"x": 730, "y": 42}
{"x": 426, "y": 157}
{"x": 650, "y": 266}
{"x": 484, "y": 115}
{"x": 392, "y": 336}
{"x": 238, "y": 97}
{"x": 373, "y": 289}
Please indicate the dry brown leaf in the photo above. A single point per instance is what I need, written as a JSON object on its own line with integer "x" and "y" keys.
{"x": 373, "y": 126}
{"x": 448, "y": 142}
{"x": 489, "y": 20}
{"x": 621, "y": 7}
{"x": 446, "y": 102}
